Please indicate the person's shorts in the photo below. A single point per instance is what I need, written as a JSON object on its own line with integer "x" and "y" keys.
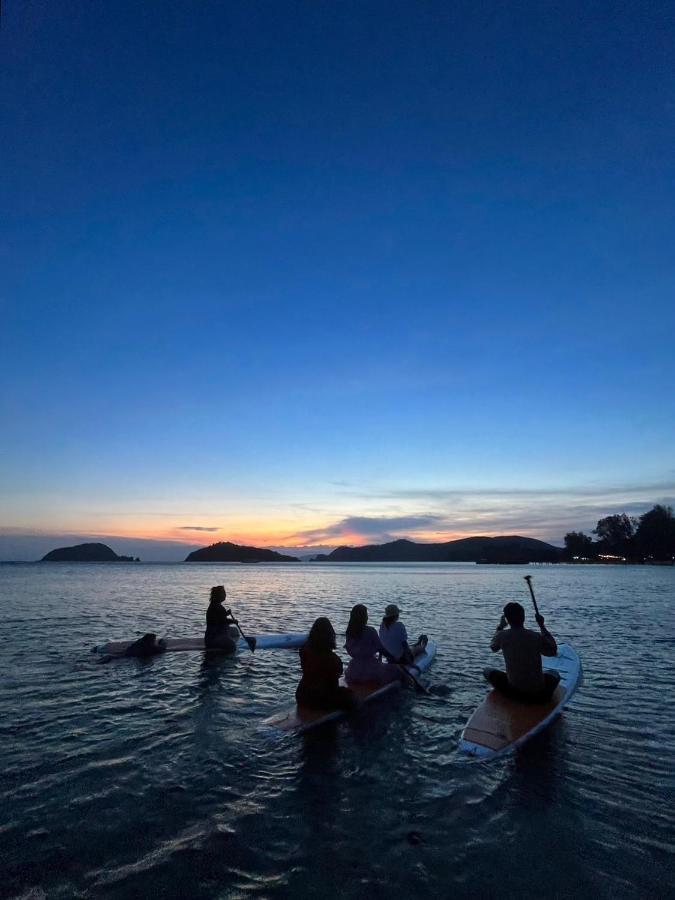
{"x": 499, "y": 680}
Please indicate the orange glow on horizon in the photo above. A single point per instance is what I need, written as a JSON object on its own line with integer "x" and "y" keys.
{"x": 253, "y": 532}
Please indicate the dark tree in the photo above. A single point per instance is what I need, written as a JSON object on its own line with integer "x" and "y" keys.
{"x": 655, "y": 535}
{"x": 616, "y": 533}
{"x": 578, "y": 544}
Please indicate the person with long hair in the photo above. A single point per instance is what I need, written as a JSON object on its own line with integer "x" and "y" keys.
{"x": 319, "y": 686}
{"x": 363, "y": 645}
{"x": 394, "y": 637}
{"x": 221, "y": 632}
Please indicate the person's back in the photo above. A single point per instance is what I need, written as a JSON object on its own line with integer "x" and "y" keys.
{"x": 394, "y": 636}
{"x": 321, "y": 672}
{"x": 217, "y": 618}
{"x": 319, "y": 687}
{"x": 362, "y": 645}
{"x": 522, "y": 648}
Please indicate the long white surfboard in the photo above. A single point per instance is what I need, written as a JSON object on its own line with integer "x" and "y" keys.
{"x": 300, "y": 719}
{"x": 292, "y": 640}
{"x": 500, "y": 724}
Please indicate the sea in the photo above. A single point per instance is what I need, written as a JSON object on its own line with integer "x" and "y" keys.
{"x": 159, "y": 778}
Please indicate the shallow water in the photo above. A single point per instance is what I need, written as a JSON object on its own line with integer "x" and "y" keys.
{"x": 157, "y": 778}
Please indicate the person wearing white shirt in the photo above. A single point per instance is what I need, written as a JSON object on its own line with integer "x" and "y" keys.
{"x": 394, "y": 637}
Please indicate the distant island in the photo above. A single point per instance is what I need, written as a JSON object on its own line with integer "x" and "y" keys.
{"x": 511, "y": 549}
{"x": 225, "y": 551}
{"x": 86, "y": 553}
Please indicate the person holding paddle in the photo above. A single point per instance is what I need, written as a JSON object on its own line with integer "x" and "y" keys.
{"x": 221, "y": 630}
{"x": 524, "y": 678}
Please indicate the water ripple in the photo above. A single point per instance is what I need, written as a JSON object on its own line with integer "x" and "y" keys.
{"x": 157, "y": 778}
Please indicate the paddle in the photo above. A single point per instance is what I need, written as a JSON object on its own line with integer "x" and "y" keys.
{"x": 250, "y": 641}
{"x": 419, "y": 687}
{"x": 528, "y": 579}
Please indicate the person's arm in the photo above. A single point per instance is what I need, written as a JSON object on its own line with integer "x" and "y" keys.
{"x": 496, "y": 642}
{"x": 407, "y": 650}
{"x": 381, "y": 649}
{"x": 548, "y": 644}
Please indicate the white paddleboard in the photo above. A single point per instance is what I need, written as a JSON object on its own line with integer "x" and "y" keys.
{"x": 300, "y": 719}
{"x": 500, "y": 724}
{"x": 292, "y": 640}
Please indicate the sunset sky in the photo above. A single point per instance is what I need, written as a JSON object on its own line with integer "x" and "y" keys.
{"x": 305, "y": 274}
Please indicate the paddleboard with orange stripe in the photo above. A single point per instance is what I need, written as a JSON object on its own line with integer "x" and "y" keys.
{"x": 500, "y": 724}
{"x": 299, "y": 719}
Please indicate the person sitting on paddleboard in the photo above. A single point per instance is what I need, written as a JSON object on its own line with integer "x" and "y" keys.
{"x": 363, "y": 645}
{"x": 524, "y": 678}
{"x": 394, "y": 638}
{"x": 221, "y": 632}
{"x": 148, "y": 645}
{"x": 319, "y": 686}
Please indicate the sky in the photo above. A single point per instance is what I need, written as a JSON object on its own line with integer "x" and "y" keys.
{"x": 307, "y": 274}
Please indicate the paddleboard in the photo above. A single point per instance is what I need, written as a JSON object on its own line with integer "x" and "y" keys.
{"x": 500, "y": 725}
{"x": 299, "y": 719}
{"x": 292, "y": 640}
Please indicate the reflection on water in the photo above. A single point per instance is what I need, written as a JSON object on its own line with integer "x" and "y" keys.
{"x": 155, "y": 777}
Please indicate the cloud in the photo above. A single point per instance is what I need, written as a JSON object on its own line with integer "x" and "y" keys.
{"x": 545, "y": 514}
{"x": 376, "y": 528}
{"x": 599, "y": 492}
{"x": 195, "y": 528}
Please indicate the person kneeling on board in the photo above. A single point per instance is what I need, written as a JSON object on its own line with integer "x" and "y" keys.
{"x": 394, "y": 638}
{"x": 148, "y": 645}
{"x": 363, "y": 645}
{"x": 524, "y": 678}
{"x": 221, "y": 632}
{"x": 321, "y": 669}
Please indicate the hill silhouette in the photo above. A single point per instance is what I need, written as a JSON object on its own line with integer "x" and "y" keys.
{"x": 225, "y": 551}
{"x": 86, "y": 553}
{"x": 507, "y": 549}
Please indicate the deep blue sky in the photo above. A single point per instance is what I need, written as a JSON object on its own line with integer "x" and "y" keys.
{"x": 286, "y": 269}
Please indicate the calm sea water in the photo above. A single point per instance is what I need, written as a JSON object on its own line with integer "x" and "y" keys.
{"x": 155, "y": 778}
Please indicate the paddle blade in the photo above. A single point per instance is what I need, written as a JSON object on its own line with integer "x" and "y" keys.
{"x": 251, "y": 643}
{"x": 419, "y": 687}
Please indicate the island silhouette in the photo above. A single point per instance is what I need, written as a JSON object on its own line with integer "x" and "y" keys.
{"x": 225, "y": 551}
{"x": 86, "y": 553}
{"x": 509, "y": 549}
{"x": 649, "y": 539}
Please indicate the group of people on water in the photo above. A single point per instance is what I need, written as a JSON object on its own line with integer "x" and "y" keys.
{"x": 374, "y": 658}
{"x": 382, "y": 656}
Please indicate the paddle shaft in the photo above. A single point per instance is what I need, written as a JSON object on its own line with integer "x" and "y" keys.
{"x": 419, "y": 687}
{"x": 249, "y": 641}
{"x": 528, "y": 579}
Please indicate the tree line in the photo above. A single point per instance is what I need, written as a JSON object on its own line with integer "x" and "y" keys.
{"x": 650, "y": 537}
